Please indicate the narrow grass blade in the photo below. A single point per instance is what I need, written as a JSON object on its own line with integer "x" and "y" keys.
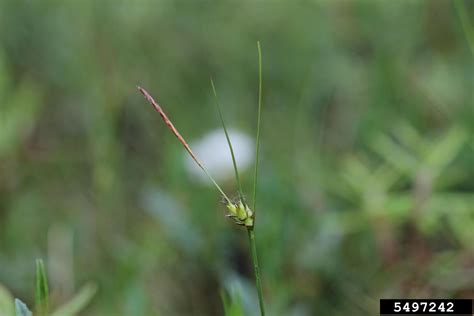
{"x": 257, "y": 143}
{"x": 232, "y": 304}
{"x": 180, "y": 138}
{"x": 42, "y": 293}
{"x": 21, "y": 309}
{"x": 78, "y": 302}
{"x": 239, "y": 185}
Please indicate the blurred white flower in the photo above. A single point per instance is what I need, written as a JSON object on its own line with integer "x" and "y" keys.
{"x": 213, "y": 151}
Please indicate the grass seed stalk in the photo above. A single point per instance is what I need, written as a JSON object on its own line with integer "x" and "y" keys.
{"x": 239, "y": 211}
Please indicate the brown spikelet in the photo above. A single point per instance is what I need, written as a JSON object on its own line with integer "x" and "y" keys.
{"x": 170, "y": 125}
{"x": 181, "y": 139}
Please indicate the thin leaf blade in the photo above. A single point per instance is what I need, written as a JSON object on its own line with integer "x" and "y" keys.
{"x": 231, "y": 149}
{"x": 232, "y": 304}
{"x": 257, "y": 143}
{"x": 42, "y": 291}
{"x": 78, "y": 302}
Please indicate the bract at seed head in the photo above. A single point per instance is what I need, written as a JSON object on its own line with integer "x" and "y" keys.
{"x": 232, "y": 209}
{"x": 241, "y": 212}
{"x": 248, "y": 222}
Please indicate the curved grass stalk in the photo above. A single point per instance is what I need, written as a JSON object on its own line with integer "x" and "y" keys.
{"x": 257, "y": 144}
{"x": 237, "y": 178}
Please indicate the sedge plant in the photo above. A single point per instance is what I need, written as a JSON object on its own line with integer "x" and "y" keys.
{"x": 239, "y": 211}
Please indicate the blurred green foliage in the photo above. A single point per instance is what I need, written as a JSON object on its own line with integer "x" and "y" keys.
{"x": 367, "y": 173}
{"x": 41, "y": 307}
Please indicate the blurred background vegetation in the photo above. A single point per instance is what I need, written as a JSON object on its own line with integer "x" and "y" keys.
{"x": 367, "y": 174}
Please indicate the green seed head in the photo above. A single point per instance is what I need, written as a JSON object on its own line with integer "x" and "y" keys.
{"x": 249, "y": 212}
{"x": 240, "y": 213}
{"x": 232, "y": 209}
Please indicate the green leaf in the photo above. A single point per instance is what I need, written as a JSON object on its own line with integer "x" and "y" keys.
{"x": 445, "y": 150}
{"x": 395, "y": 154}
{"x": 42, "y": 293}
{"x": 232, "y": 305}
{"x": 22, "y": 309}
{"x": 6, "y": 302}
{"x": 78, "y": 302}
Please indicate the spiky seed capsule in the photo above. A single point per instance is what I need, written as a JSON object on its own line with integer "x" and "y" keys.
{"x": 240, "y": 213}
{"x": 232, "y": 209}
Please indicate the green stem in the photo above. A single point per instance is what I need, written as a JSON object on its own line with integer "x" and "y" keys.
{"x": 257, "y": 145}
{"x": 258, "y": 282}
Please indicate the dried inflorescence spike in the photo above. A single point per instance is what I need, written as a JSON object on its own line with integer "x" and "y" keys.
{"x": 180, "y": 138}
